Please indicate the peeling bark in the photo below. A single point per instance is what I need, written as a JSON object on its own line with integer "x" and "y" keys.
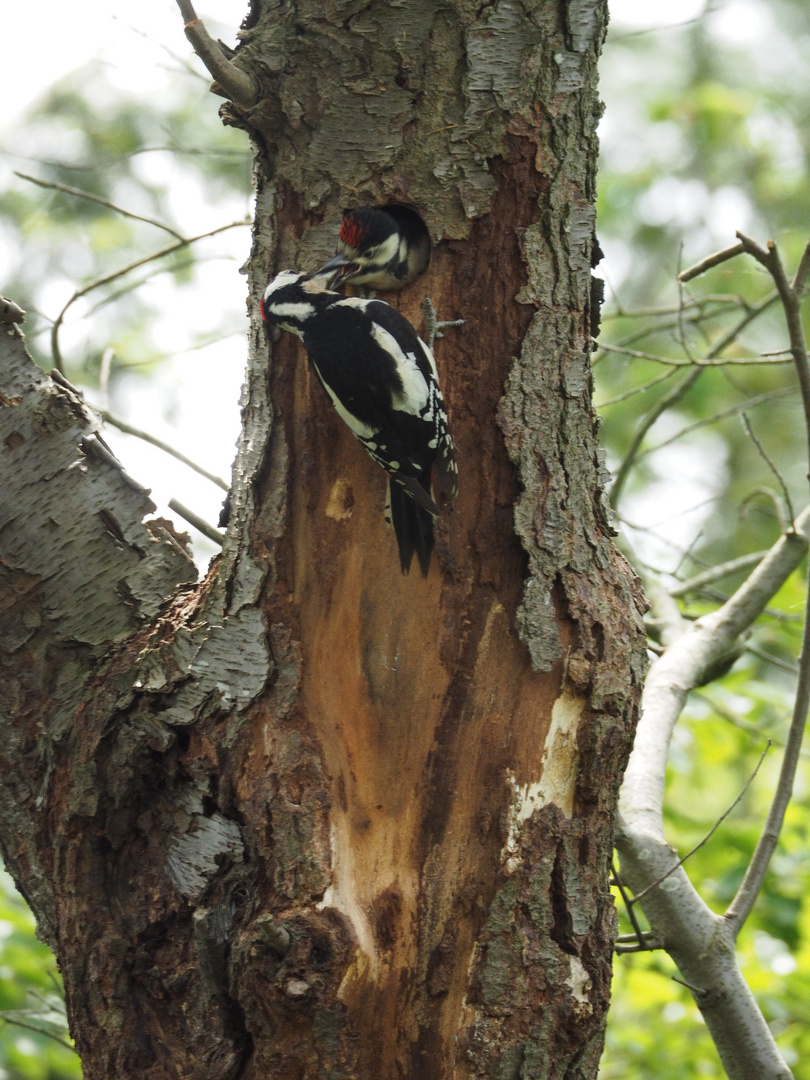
{"x": 310, "y": 817}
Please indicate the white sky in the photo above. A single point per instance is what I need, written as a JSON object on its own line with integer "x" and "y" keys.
{"x": 193, "y": 402}
{"x": 69, "y": 34}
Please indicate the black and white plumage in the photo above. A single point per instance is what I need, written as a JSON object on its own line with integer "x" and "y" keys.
{"x": 382, "y": 380}
{"x": 385, "y": 248}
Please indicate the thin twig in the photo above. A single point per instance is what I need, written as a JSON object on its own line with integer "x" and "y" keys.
{"x": 769, "y": 658}
{"x": 727, "y": 715}
{"x": 714, "y": 573}
{"x": 633, "y": 453}
{"x": 764, "y": 455}
{"x": 681, "y": 311}
{"x": 695, "y": 989}
{"x": 628, "y": 903}
{"x": 676, "y": 394}
{"x": 774, "y": 499}
{"x": 10, "y": 1018}
{"x": 57, "y": 355}
{"x": 691, "y": 302}
{"x": 732, "y": 361}
{"x": 789, "y": 293}
{"x": 200, "y": 524}
{"x": 129, "y": 429}
{"x": 97, "y": 199}
{"x": 635, "y": 390}
{"x": 712, "y": 830}
{"x": 759, "y": 399}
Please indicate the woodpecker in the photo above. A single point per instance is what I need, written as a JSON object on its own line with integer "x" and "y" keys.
{"x": 382, "y": 380}
{"x": 384, "y": 249}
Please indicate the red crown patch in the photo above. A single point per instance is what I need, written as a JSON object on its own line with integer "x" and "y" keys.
{"x": 352, "y": 232}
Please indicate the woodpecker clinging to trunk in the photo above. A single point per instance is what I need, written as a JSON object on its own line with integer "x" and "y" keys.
{"x": 382, "y": 379}
{"x": 384, "y": 248}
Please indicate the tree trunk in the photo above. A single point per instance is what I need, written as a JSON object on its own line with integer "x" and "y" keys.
{"x": 314, "y": 818}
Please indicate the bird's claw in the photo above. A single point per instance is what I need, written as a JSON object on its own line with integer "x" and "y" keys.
{"x": 434, "y": 325}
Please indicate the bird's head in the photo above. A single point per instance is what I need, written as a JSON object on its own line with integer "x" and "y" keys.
{"x": 292, "y": 297}
{"x": 368, "y": 242}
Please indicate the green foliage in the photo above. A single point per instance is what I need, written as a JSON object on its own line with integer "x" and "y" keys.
{"x": 705, "y": 136}
{"x": 705, "y": 133}
{"x": 34, "y": 1042}
{"x": 170, "y": 161}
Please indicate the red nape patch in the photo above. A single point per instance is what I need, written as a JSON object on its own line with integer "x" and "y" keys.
{"x": 261, "y": 308}
{"x": 352, "y": 232}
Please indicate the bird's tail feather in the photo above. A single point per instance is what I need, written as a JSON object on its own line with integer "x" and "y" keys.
{"x": 413, "y": 528}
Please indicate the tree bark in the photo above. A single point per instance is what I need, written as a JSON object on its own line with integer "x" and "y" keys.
{"x": 312, "y": 817}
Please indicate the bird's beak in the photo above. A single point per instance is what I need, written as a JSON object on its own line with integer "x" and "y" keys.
{"x": 340, "y": 267}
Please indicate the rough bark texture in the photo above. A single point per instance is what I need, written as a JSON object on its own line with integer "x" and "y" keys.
{"x": 314, "y": 818}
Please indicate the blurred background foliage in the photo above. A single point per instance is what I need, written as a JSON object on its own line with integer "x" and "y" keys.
{"x": 706, "y": 131}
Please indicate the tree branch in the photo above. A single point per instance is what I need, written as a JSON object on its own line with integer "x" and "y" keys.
{"x": 200, "y": 524}
{"x": 714, "y": 573}
{"x": 231, "y": 81}
{"x": 701, "y": 943}
{"x": 128, "y": 429}
{"x": 97, "y": 199}
{"x": 711, "y": 260}
{"x": 55, "y": 350}
{"x": 676, "y": 394}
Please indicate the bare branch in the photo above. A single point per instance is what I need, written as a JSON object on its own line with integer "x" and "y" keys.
{"x": 682, "y": 667}
{"x": 200, "y": 524}
{"x": 803, "y": 269}
{"x": 232, "y": 81}
{"x": 700, "y": 942}
{"x": 740, "y": 907}
{"x": 791, "y": 302}
{"x": 764, "y": 455}
{"x": 743, "y": 902}
{"x": 97, "y": 199}
{"x": 57, "y": 355}
{"x": 714, "y": 573}
{"x": 676, "y": 394}
{"x": 710, "y": 261}
{"x": 129, "y": 429}
{"x": 780, "y": 357}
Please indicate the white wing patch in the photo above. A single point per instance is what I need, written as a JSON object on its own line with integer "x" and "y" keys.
{"x": 414, "y": 395}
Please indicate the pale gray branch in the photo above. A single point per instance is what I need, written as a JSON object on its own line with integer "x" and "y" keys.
{"x": 700, "y": 942}
{"x": 715, "y": 573}
{"x": 200, "y": 524}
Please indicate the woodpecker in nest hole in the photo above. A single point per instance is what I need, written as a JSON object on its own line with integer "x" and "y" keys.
{"x": 384, "y": 249}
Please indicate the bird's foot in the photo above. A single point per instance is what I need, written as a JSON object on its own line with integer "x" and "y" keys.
{"x": 434, "y": 326}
